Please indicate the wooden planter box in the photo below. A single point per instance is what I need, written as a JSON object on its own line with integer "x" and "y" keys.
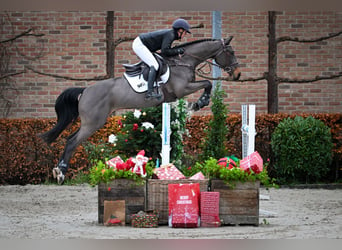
{"x": 122, "y": 189}
{"x": 158, "y": 196}
{"x": 238, "y": 205}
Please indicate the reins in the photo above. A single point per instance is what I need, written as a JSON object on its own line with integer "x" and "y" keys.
{"x": 228, "y": 69}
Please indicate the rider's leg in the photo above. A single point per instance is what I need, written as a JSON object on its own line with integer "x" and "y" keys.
{"x": 145, "y": 55}
{"x": 151, "y": 79}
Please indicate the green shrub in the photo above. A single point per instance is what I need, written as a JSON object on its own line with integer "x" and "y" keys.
{"x": 26, "y": 159}
{"x": 302, "y": 150}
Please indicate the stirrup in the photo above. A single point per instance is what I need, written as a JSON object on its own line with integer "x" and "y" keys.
{"x": 57, "y": 174}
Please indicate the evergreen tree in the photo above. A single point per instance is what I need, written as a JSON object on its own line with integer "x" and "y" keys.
{"x": 141, "y": 130}
{"x": 214, "y": 144}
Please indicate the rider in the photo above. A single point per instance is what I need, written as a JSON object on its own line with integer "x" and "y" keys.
{"x": 147, "y": 43}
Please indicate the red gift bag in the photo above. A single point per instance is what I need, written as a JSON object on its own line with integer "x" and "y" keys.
{"x": 253, "y": 161}
{"x": 210, "y": 209}
{"x": 184, "y": 205}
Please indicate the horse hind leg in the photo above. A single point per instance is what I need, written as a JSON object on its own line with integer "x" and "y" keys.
{"x": 83, "y": 133}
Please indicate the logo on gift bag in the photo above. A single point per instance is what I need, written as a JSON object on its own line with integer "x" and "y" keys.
{"x": 184, "y": 200}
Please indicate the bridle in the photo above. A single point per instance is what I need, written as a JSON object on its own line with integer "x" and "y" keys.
{"x": 224, "y": 49}
{"x": 227, "y": 49}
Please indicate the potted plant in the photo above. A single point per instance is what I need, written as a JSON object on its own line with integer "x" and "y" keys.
{"x": 121, "y": 180}
{"x": 238, "y": 188}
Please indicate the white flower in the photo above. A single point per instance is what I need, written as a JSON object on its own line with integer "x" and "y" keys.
{"x": 137, "y": 113}
{"x": 147, "y": 125}
{"x": 112, "y": 138}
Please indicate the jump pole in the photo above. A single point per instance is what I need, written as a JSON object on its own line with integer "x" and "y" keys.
{"x": 248, "y": 129}
{"x": 166, "y": 133}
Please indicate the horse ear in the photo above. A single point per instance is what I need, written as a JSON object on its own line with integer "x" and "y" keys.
{"x": 228, "y": 40}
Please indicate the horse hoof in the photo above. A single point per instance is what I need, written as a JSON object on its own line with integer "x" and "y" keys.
{"x": 57, "y": 174}
{"x": 194, "y": 106}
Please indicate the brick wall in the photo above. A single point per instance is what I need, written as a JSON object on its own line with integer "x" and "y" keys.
{"x": 74, "y": 45}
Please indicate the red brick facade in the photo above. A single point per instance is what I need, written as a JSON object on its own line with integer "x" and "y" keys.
{"x": 74, "y": 45}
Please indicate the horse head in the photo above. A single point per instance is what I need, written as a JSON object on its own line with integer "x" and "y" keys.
{"x": 226, "y": 59}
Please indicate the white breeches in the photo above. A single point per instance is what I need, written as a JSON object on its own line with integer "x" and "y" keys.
{"x": 144, "y": 54}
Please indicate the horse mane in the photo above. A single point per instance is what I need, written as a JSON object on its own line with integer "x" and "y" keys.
{"x": 194, "y": 42}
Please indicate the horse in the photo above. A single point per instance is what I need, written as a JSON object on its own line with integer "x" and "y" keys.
{"x": 93, "y": 104}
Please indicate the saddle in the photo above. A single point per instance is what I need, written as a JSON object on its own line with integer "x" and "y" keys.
{"x": 137, "y": 74}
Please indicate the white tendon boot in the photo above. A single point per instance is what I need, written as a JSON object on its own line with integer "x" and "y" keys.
{"x": 57, "y": 174}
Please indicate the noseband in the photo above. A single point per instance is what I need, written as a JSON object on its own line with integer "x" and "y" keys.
{"x": 229, "y": 69}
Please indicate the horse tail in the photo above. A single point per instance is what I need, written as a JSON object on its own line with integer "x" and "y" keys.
{"x": 66, "y": 108}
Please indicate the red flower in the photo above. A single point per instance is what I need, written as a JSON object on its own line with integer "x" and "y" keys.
{"x": 109, "y": 188}
{"x": 120, "y": 123}
{"x": 135, "y": 127}
{"x": 122, "y": 166}
{"x": 255, "y": 169}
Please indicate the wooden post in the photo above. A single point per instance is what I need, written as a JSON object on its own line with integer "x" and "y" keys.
{"x": 272, "y": 84}
{"x": 110, "y": 44}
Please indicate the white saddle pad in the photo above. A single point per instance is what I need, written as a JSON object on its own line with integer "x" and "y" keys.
{"x": 139, "y": 84}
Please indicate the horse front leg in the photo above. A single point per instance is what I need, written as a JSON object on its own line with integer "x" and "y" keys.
{"x": 204, "y": 100}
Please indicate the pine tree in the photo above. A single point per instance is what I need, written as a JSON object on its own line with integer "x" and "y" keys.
{"x": 141, "y": 130}
{"x": 214, "y": 144}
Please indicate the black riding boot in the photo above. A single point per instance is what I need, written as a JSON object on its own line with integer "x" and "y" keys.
{"x": 151, "y": 78}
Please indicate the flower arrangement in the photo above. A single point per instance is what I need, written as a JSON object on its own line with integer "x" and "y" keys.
{"x": 135, "y": 168}
{"x": 230, "y": 174}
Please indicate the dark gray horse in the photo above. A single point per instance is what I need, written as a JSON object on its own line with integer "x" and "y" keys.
{"x": 94, "y": 103}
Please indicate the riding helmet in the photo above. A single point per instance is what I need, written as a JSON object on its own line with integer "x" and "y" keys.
{"x": 181, "y": 24}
